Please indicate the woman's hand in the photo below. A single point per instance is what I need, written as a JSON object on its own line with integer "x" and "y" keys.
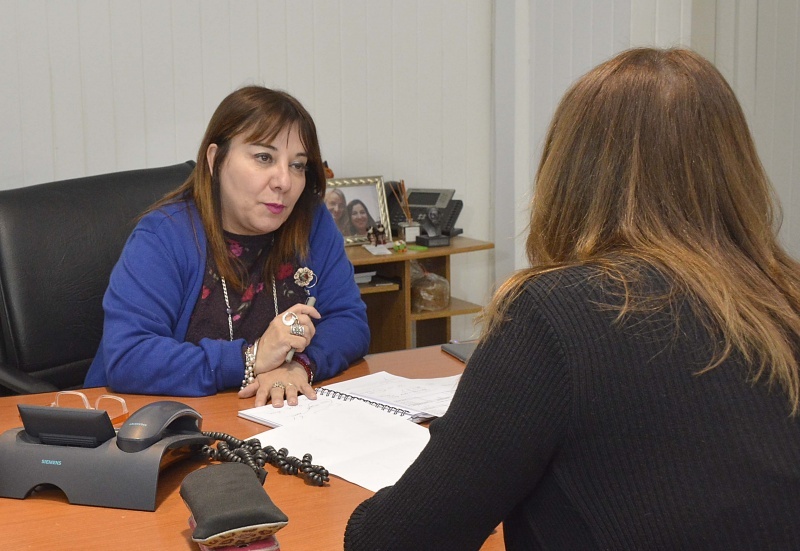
{"x": 277, "y": 385}
{"x": 293, "y": 328}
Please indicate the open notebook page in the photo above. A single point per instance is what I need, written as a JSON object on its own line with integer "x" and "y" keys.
{"x": 354, "y": 441}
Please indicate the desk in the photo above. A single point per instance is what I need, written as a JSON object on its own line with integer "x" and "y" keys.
{"x": 317, "y": 516}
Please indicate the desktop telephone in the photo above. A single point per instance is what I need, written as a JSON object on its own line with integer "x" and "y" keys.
{"x": 419, "y": 202}
{"x": 89, "y": 428}
{"x": 78, "y": 451}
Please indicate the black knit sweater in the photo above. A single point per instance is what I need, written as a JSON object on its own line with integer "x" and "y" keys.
{"x": 579, "y": 432}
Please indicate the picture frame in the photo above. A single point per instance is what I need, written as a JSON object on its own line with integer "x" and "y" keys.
{"x": 364, "y": 200}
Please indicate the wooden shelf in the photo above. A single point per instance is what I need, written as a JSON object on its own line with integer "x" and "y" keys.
{"x": 359, "y": 256}
{"x": 392, "y": 323}
{"x": 379, "y": 285}
{"x": 457, "y": 307}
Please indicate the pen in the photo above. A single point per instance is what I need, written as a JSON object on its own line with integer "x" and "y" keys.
{"x": 310, "y": 302}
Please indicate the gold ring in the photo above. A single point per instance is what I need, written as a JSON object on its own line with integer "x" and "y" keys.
{"x": 278, "y": 384}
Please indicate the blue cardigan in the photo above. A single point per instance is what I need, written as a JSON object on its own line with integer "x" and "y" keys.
{"x": 152, "y": 293}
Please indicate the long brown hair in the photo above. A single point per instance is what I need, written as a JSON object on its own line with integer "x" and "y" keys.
{"x": 649, "y": 159}
{"x": 259, "y": 114}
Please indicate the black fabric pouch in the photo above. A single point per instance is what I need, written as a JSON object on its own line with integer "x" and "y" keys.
{"x": 229, "y": 506}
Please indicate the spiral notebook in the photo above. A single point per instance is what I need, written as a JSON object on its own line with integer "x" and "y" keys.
{"x": 417, "y": 400}
{"x": 325, "y": 402}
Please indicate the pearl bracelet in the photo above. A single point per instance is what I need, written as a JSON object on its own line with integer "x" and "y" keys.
{"x": 250, "y": 364}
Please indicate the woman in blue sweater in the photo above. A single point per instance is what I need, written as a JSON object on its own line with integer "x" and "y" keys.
{"x": 212, "y": 287}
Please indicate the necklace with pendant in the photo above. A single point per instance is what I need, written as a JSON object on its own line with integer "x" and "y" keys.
{"x": 228, "y": 304}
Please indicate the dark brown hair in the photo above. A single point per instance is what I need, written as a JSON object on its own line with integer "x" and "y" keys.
{"x": 649, "y": 159}
{"x": 259, "y": 114}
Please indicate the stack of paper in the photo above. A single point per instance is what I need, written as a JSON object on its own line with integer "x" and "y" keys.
{"x": 359, "y": 429}
{"x": 353, "y": 440}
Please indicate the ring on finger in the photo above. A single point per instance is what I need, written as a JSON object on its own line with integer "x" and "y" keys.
{"x": 298, "y": 330}
{"x": 290, "y": 318}
{"x": 278, "y": 384}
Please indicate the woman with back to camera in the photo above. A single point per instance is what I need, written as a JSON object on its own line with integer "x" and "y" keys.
{"x": 637, "y": 387}
{"x": 210, "y": 291}
{"x": 360, "y": 218}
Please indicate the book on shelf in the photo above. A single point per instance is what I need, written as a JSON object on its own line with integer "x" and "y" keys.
{"x": 363, "y": 277}
{"x": 417, "y": 400}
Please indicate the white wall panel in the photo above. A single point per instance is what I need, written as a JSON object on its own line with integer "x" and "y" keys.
{"x": 244, "y": 52}
{"x": 127, "y": 77}
{"x": 65, "y": 62}
{"x": 215, "y": 53}
{"x": 97, "y": 91}
{"x": 327, "y": 75}
{"x": 273, "y": 44}
{"x": 11, "y": 159}
{"x": 190, "y": 113}
{"x": 355, "y": 88}
{"x": 158, "y": 85}
{"x": 405, "y": 73}
{"x": 300, "y": 40}
{"x": 467, "y": 147}
{"x": 429, "y": 101}
{"x": 34, "y": 100}
{"x": 380, "y": 86}
{"x": 784, "y": 133}
{"x": 643, "y": 22}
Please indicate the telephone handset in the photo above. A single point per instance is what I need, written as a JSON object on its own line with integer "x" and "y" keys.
{"x": 420, "y": 201}
{"x": 156, "y": 421}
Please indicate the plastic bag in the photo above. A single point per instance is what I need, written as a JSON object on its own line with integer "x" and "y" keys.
{"x": 429, "y": 292}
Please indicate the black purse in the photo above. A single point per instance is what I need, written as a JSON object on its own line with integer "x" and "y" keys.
{"x": 229, "y": 506}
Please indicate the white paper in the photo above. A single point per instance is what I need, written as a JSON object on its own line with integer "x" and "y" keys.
{"x": 430, "y": 396}
{"x": 278, "y": 417}
{"x": 354, "y": 441}
{"x": 378, "y": 249}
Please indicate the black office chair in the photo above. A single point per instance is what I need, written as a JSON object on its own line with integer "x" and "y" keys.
{"x": 58, "y": 244}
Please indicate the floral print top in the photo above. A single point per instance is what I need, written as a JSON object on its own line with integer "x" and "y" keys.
{"x": 253, "y": 310}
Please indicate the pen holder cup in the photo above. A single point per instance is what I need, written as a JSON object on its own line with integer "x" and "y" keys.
{"x": 409, "y": 231}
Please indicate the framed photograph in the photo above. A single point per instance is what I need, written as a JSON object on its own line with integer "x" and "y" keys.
{"x": 358, "y": 204}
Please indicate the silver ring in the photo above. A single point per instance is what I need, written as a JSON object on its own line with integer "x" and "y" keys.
{"x": 298, "y": 330}
{"x": 292, "y": 318}
{"x": 278, "y": 384}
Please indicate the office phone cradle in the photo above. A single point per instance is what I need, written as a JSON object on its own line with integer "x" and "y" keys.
{"x": 104, "y": 476}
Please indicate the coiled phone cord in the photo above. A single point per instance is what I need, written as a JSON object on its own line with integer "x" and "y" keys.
{"x": 250, "y": 452}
